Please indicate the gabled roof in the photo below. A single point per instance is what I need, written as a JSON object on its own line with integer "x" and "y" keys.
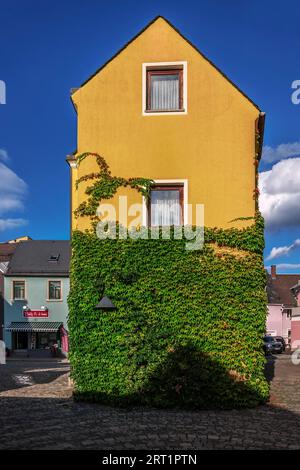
{"x": 6, "y": 251}
{"x": 40, "y": 258}
{"x": 279, "y": 289}
{"x": 296, "y": 288}
{"x": 183, "y": 37}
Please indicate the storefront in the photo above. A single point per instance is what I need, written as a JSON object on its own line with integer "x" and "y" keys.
{"x": 36, "y": 289}
{"x": 36, "y": 335}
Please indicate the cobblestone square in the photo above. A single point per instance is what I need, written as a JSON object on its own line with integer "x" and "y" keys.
{"x": 37, "y": 412}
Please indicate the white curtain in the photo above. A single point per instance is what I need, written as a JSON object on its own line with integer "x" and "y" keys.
{"x": 164, "y": 92}
{"x": 165, "y": 208}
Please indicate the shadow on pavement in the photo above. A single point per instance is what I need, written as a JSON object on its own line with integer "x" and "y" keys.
{"x": 270, "y": 367}
{"x": 36, "y": 423}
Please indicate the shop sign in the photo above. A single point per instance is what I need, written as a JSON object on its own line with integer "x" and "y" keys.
{"x": 35, "y": 313}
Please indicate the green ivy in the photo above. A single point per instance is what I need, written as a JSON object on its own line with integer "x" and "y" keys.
{"x": 105, "y": 186}
{"x": 188, "y": 326}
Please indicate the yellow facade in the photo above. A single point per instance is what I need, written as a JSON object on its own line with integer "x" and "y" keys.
{"x": 212, "y": 145}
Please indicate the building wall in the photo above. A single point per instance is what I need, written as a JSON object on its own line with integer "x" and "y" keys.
{"x": 6, "y": 252}
{"x": 278, "y": 323}
{"x": 295, "y": 336}
{"x": 1, "y": 304}
{"x": 212, "y": 145}
{"x": 36, "y": 296}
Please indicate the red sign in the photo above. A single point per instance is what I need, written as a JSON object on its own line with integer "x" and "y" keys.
{"x": 35, "y": 313}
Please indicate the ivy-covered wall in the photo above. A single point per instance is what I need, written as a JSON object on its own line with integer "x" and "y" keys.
{"x": 188, "y": 326}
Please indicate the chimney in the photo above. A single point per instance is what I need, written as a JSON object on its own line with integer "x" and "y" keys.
{"x": 273, "y": 271}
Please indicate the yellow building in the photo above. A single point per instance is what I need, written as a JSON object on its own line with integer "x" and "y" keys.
{"x": 159, "y": 109}
{"x": 24, "y": 238}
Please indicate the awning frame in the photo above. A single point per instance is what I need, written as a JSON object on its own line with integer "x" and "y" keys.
{"x": 34, "y": 327}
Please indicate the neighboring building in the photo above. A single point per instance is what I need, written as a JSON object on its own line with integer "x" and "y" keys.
{"x": 161, "y": 110}
{"x": 24, "y": 238}
{"x": 295, "y": 335}
{"x": 6, "y": 252}
{"x": 36, "y": 287}
{"x": 282, "y": 305}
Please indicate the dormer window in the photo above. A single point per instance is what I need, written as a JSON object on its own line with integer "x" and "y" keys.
{"x": 164, "y": 88}
{"x": 54, "y": 257}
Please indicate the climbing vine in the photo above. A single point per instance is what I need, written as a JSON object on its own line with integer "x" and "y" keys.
{"x": 256, "y": 164}
{"x": 188, "y": 326}
{"x": 105, "y": 186}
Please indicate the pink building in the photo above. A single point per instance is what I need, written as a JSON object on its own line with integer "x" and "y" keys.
{"x": 295, "y": 340}
{"x": 283, "y": 302}
{"x": 278, "y": 322}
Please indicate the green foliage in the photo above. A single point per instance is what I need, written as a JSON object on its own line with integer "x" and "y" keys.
{"x": 188, "y": 326}
{"x": 105, "y": 186}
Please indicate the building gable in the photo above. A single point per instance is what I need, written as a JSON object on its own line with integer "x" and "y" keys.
{"x": 210, "y": 142}
{"x": 163, "y": 24}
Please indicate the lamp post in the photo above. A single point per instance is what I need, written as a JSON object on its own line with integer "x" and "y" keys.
{"x": 105, "y": 304}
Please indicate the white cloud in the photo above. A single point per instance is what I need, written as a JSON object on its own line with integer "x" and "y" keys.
{"x": 4, "y": 155}
{"x": 12, "y": 190}
{"x": 12, "y": 193}
{"x": 279, "y": 200}
{"x": 284, "y": 266}
{"x": 276, "y": 252}
{"x": 281, "y": 152}
{"x": 8, "y": 224}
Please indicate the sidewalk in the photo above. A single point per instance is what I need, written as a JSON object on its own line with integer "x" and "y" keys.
{"x": 40, "y": 391}
{"x": 36, "y": 359}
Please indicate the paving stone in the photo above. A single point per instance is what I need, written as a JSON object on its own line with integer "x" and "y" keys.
{"x": 41, "y": 414}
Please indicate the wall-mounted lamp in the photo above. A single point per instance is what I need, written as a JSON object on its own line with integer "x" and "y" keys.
{"x": 105, "y": 304}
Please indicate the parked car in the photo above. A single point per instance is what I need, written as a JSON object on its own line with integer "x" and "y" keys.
{"x": 267, "y": 347}
{"x": 281, "y": 340}
{"x": 271, "y": 346}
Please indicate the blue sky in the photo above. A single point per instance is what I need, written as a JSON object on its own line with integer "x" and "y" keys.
{"x": 48, "y": 47}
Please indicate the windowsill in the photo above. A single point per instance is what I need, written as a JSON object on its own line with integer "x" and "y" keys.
{"x": 164, "y": 226}
{"x": 54, "y": 300}
{"x": 164, "y": 111}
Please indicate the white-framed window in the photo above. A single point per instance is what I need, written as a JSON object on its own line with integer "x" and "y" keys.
{"x": 54, "y": 289}
{"x": 18, "y": 289}
{"x": 167, "y": 204}
{"x": 164, "y": 88}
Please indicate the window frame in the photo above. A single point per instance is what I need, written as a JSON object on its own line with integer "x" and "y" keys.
{"x": 48, "y": 290}
{"x": 164, "y": 187}
{"x": 13, "y": 289}
{"x": 166, "y": 67}
{"x": 165, "y": 71}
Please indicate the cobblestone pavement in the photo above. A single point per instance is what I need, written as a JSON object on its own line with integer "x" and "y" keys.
{"x": 37, "y": 412}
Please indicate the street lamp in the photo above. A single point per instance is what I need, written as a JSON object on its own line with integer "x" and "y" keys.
{"x": 105, "y": 304}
